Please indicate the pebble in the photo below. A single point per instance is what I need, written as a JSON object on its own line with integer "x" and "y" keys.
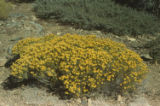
{"x": 131, "y": 39}
{"x": 146, "y": 57}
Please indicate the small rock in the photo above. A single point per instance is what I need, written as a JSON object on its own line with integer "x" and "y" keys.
{"x": 131, "y": 39}
{"x": 117, "y": 36}
{"x": 84, "y": 102}
{"x": 3, "y": 62}
{"x": 37, "y": 26}
{"x": 13, "y": 20}
{"x": 16, "y": 39}
{"x": 34, "y": 18}
{"x": 78, "y": 101}
{"x": 98, "y": 31}
{"x": 119, "y": 99}
{"x": 58, "y": 33}
{"x": 146, "y": 57}
{"x": 89, "y": 102}
{"x": 9, "y": 50}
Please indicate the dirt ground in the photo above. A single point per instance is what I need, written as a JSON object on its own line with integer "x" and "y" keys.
{"x": 147, "y": 95}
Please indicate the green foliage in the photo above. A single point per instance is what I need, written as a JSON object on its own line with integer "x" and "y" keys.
{"x": 81, "y": 64}
{"x": 5, "y": 9}
{"x": 152, "y": 6}
{"x": 20, "y": 1}
{"x": 104, "y": 15}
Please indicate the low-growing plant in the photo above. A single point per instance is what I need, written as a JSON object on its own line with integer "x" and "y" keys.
{"x": 104, "y": 15}
{"x": 81, "y": 64}
{"x": 5, "y": 9}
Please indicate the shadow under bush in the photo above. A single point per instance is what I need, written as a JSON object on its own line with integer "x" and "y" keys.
{"x": 13, "y": 83}
{"x": 104, "y": 15}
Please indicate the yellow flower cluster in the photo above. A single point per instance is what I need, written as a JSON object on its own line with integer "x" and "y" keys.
{"x": 82, "y": 63}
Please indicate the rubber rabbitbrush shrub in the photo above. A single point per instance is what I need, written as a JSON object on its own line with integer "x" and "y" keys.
{"x": 80, "y": 63}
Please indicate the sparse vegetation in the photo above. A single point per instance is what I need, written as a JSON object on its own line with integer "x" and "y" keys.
{"x": 104, "y": 15}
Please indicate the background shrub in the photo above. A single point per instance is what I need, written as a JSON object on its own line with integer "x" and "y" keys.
{"x": 20, "y": 1}
{"x": 152, "y": 6}
{"x": 104, "y": 15}
{"x": 81, "y": 64}
{"x": 5, "y": 9}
